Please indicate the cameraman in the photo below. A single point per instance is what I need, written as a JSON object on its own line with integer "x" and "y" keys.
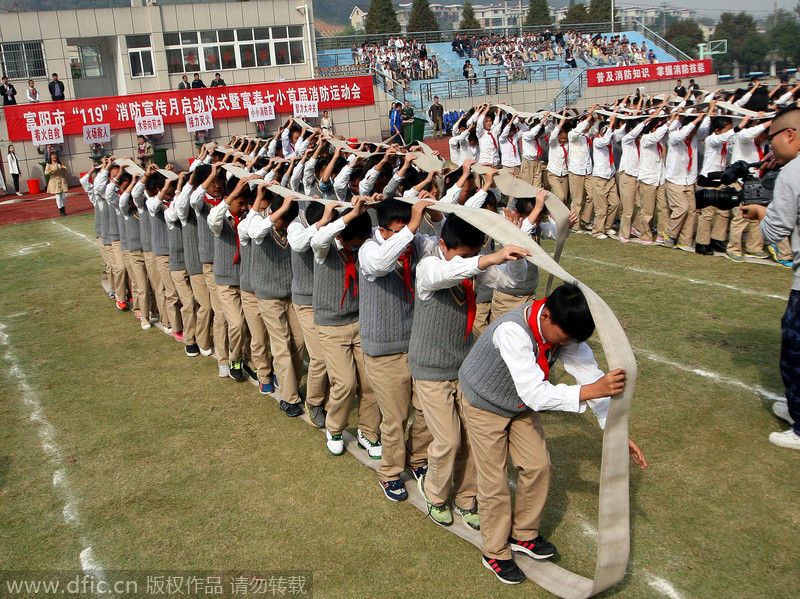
{"x": 780, "y": 220}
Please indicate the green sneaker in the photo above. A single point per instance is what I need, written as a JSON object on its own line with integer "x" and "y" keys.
{"x": 735, "y": 257}
{"x": 470, "y": 517}
{"x": 761, "y": 254}
{"x": 442, "y": 516}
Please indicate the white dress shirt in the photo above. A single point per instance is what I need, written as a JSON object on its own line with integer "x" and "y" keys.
{"x": 629, "y": 161}
{"x": 378, "y": 256}
{"x": 716, "y": 156}
{"x": 651, "y": 156}
{"x": 603, "y": 155}
{"x": 580, "y": 158}
{"x": 557, "y": 160}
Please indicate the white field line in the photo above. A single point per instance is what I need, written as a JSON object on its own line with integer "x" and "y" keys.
{"x": 51, "y": 450}
{"x": 669, "y": 275}
{"x": 713, "y": 376}
{"x": 74, "y": 232}
{"x": 27, "y": 249}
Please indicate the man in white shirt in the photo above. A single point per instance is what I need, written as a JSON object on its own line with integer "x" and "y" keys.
{"x": 651, "y": 182}
{"x": 488, "y": 131}
{"x": 627, "y": 175}
{"x": 558, "y": 161}
{"x": 580, "y": 170}
{"x": 606, "y": 195}
{"x": 532, "y": 142}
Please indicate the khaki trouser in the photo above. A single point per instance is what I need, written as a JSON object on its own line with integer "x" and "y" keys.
{"x": 785, "y": 250}
{"x": 532, "y": 172}
{"x": 119, "y": 272}
{"x": 681, "y": 201}
{"x": 394, "y": 391}
{"x": 492, "y": 438}
{"x": 651, "y": 198}
{"x": 204, "y": 311}
{"x": 260, "y": 356}
{"x": 171, "y": 300}
{"x": 438, "y": 123}
{"x": 559, "y": 186}
{"x": 231, "y": 301}
{"x": 158, "y": 300}
{"x": 126, "y": 257}
{"x": 108, "y": 259}
{"x": 628, "y": 190}
{"x": 580, "y": 192}
{"x": 347, "y": 374}
{"x": 483, "y": 317}
{"x": 450, "y": 461}
{"x": 180, "y": 279}
{"x": 739, "y": 224}
{"x": 606, "y": 204}
{"x": 285, "y": 343}
{"x": 220, "y": 325}
{"x": 706, "y": 231}
{"x": 316, "y": 374}
{"x": 141, "y": 299}
{"x": 505, "y": 302}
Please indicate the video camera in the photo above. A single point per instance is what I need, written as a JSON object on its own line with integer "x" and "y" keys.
{"x": 753, "y": 190}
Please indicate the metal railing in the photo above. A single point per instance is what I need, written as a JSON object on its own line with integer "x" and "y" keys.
{"x": 463, "y": 88}
{"x": 571, "y": 91}
{"x": 390, "y": 86}
{"x": 529, "y": 73}
{"x": 652, "y": 36}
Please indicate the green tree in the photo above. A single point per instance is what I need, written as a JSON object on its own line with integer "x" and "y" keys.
{"x": 468, "y": 20}
{"x": 782, "y": 39}
{"x": 744, "y": 41}
{"x": 538, "y": 14}
{"x": 421, "y": 17}
{"x": 381, "y": 18}
{"x": 576, "y": 14}
{"x": 685, "y": 35}
{"x": 600, "y": 11}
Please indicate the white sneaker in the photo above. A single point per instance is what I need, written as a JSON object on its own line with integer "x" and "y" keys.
{"x": 611, "y": 232}
{"x": 206, "y": 352}
{"x": 781, "y": 410}
{"x": 788, "y": 439}
{"x": 224, "y": 371}
{"x": 168, "y": 331}
{"x": 600, "y": 236}
{"x": 145, "y": 323}
{"x": 373, "y": 449}
{"x": 19, "y": 193}
{"x": 335, "y": 443}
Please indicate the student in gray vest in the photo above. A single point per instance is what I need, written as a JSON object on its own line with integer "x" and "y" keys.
{"x": 272, "y": 283}
{"x": 120, "y": 283}
{"x": 299, "y": 234}
{"x": 505, "y": 383}
{"x": 141, "y": 296}
{"x": 387, "y": 268}
{"x": 335, "y": 246}
{"x": 441, "y": 336}
{"x": 95, "y": 189}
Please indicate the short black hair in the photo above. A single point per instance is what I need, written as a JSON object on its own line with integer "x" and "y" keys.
{"x": 570, "y": 312}
{"x": 457, "y": 233}
{"x": 720, "y": 122}
{"x": 200, "y": 174}
{"x": 154, "y": 183}
{"x": 524, "y": 206}
{"x": 313, "y": 212}
{"x": 359, "y": 228}
{"x": 390, "y": 211}
{"x": 291, "y": 213}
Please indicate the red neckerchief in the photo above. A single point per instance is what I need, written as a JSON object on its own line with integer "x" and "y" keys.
{"x": 589, "y": 142}
{"x": 405, "y": 261}
{"x": 760, "y": 152}
{"x": 638, "y": 149}
{"x": 472, "y": 309}
{"x": 538, "y": 149}
{"x": 213, "y": 201}
{"x": 236, "y": 221}
{"x": 611, "y": 156}
{"x": 533, "y": 322}
{"x": 660, "y": 150}
{"x": 350, "y": 274}
{"x": 724, "y": 151}
{"x": 494, "y": 141}
{"x": 564, "y": 148}
{"x": 689, "y": 149}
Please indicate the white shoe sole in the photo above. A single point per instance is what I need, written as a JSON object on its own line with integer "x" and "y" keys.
{"x": 781, "y": 410}
{"x": 778, "y": 439}
{"x": 207, "y": 352}
{"x": 530, "y": 553}
{"x": 503, "y": 580}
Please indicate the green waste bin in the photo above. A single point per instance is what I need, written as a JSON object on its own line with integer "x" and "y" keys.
{"x": 160, "y": 157}
{"x": 414, "y": 131}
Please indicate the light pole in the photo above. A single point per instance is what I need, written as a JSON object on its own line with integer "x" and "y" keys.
{"x": 304, "y": 8}
{"x": 612, "y": 18}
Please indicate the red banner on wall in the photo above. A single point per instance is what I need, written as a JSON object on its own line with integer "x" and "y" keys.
{"x": 121, "y": 112}
{"x": 649, "y": 72}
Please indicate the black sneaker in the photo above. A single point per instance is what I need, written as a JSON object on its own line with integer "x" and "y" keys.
{"x": 418, "y": 471}
{"x": 718, "y": 246}
{"x": 395, "y": 490}
{"x": 506, "y": 570}
{"x": 253, "y": 374}
{"x": 292, "y": 410}
{"x": 236, "y": 372}
{"x": 538, "y": 548}
{"x": 704, "y": 249}
{"x": 192, "y": 350}
{"x": 316, "y": 414}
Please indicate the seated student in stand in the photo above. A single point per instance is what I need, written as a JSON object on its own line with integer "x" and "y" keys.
{"x": 388, "y": 264}
{"x": 272, "y": 284}
{"x": 441, "y": 337}
{"x": 299, "y": 234}
{"x": 504, "y": 381}
{"x": 335, "y": 246}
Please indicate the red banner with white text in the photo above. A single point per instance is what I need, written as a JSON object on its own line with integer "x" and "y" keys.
{"x": 648, "y": 72}
{"x": 121, "y": 112}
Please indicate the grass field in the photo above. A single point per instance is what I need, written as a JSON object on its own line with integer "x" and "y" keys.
{"x": 119, "y": 452}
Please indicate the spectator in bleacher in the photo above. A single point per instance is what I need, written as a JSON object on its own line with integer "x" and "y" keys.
{"x": 456, "y": 45}
{"x": 469, "y": 72}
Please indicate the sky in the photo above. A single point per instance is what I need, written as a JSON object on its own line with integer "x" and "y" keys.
{"x": 713, "y": 8}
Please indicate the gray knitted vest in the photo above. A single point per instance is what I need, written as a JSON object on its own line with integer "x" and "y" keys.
{"x": 246, "y": 258}
{"x": 111, "y": 223}
{"x": 483, "y": 293}
{"x": 225, "y": 271}
{"x": 426, "y": 228}
{"x": 101, "y": 208}
{"x": 133, "y": 232}
{"x": 525, "y": 287}
{"x": 329, "y": 290}
{"x": 121, "y": 228}
{"x": 177, "y": 260}
{"x": 386, "y": 310}
{"x": 205, "y": 238}
{"x": 146, "y": 230}
{"x": 191, "y": 253}
{"x": 484, "y": 376}
{"x": 98, "y": 222}
{"x": 303, "y": 277}
{"x": 272, "y": 266}
{"x": 437, "y": 346}
{"x": 158, "y": 230}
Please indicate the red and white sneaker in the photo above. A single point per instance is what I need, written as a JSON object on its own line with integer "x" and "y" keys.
{"x": 121, "y": 305}
{"x": 178, "y": 336}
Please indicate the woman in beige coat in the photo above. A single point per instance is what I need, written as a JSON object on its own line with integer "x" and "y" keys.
{"x": 58, "y": 182}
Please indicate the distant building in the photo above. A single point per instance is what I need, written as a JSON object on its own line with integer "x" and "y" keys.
{"x": 647, "y": 15}
{"x": 448, "y": 16}
{"x": 358, "y": 18}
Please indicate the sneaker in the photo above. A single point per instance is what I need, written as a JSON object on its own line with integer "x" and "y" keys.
{"x": 599, "y": 235}
{"x": 224, "y": 371}
{"x": 253, "y": 374}
{"x": 624, "y": 239}
{"x": 703, "y": 249}
{"x": 611, "y": 232}
{"x": 718, "y": 246}
{"x": 635, "y": 232}
{"x": 643, "y": 241}
{"x": 335, "y": 443}
{"x": 206, "y": 352}
{"x": 292, "y": 410}
{"x": 470, "y": 517}
{"x": 373, "y": 449}
{"x": 506, "y": 570}
{"x": 268, "y": 387}
{"x": 538, "y": 548}
{"x": 192, "y": 350}
{"x": 154, "y": 318}
{"x": 440, "y": 515}
{"x": 138, "y": 315}
{"x": 178, "y": 336}
{"x": 418, "y": 471}
{"x": 659, "y": 240}
{"x": 19, "y": 193}
{"x": 789, "y": 439}
{"x": 761, "y": 254}
{"x": 669, "y": 242}
{"x": 145, "y": 324}
{"x": 395, "y": 490}
{"x": 121, "y": 305}
{"x": 735, "y": 257}
{"x": 168, "y": 331}
{"x": 781, "y": 410}
{"x": 773, "y": 251}
{"x": 316, "y": 415}
{"x": 236, "y": 372}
